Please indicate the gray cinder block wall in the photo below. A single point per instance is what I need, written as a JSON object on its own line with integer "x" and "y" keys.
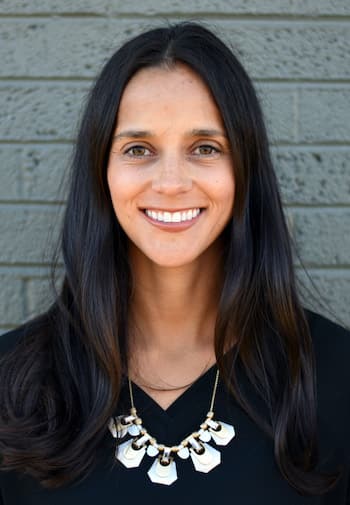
{"x": 298, "y": 53}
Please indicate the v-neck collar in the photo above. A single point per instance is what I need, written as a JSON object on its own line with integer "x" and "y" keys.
{"x": 144, "y": 402}
{"x": 183, "y": 416}
{"x": 199, "y": 393}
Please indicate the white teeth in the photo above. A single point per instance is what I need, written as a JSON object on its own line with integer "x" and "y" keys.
{"x": 176, "y": 217}
{"x": 173, "y": 217}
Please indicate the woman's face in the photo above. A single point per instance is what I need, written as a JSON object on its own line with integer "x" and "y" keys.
{"x": 170, "y": 172}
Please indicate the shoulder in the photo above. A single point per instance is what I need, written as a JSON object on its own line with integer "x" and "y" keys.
{"x": 24, "y": 334}
{"x": 331, "y": 343}
{"x": 323, "y": 327}
{"x": 10, "y": 339}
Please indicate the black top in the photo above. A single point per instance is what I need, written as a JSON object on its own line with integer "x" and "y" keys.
{"x": 247, "y": 474}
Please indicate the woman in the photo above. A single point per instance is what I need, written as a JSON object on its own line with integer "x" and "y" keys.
{"x": 177, "y": 362}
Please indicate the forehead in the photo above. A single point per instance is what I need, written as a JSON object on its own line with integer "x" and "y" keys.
{"x": 177, "y": 76}
{"x": 175, "y": 93}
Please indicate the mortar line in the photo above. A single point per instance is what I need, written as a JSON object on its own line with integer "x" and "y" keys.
{"x": 188, "y": 16}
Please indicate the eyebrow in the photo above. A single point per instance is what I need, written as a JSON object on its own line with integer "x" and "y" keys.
{"x": 196, "y": 132}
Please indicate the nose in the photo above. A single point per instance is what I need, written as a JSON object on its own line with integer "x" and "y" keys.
{"x": 171, "y": 176}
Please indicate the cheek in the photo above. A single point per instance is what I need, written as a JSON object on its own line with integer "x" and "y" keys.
{"x": 123, "y": 190}
{"x": 120, "y": 186}
{"x": 117, "y": 193}
{"x": 227, "y": 203}
{"x": 125, "y": 179}
{"x": 224, "y": 188}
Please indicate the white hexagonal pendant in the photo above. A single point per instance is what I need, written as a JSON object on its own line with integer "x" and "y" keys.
{"x": 163, "y": 474}
{"x": 224, "y": 435}
{"x": 206, "y": 461}
{"x": 129, "y": 456}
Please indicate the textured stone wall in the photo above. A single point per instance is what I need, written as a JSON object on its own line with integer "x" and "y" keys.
{"x": 298, "y": 53}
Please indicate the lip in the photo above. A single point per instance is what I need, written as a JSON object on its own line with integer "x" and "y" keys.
{"x": 172, "y": 227}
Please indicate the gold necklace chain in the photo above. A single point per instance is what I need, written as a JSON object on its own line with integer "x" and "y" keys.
{"x": 212, "y": 396}
{"x": 175, "y": 388}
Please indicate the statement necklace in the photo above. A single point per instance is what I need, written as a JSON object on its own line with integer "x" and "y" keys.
{"x": 163, "y": 470}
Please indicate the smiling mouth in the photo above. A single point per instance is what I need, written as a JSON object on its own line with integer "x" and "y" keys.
{"x": 180, "y": 216}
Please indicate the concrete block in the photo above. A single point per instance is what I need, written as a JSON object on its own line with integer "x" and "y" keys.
{"x": 39, "y": 296}
{"x": 33, "y": 173}
{"x": 322, "y": 236}
{"x": 40, "y": 111}
{"x": 10, "y": 184}
{"x": 293, "y": 51}
{"x": 77, "y": 47}
{"x": 28, "y": 232}
{"x": 22, "y": 46}
{"x": 279, "y": 108}
{"x": 45, "y": 172}
{"x": 61, "y": 47}
{"x": 324, "y": 114}
{"x": 327, "y": 292}
{"x": 150, "y": 7}
{"x": 314, "y": 176}
{"x": 11, "y": 298}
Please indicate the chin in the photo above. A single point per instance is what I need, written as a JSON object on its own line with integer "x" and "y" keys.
{"x": 172, "y": 262}
{"x": 167, "y": 257}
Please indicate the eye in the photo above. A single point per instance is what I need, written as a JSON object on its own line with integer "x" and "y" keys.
{"x": 206, "y": 150}
{"x": 137, "y": 152}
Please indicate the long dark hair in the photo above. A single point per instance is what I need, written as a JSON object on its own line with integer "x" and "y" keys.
{"x": 61, "y": 382}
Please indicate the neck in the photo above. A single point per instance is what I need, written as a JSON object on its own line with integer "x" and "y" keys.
{"x": 172, "y": 320}
{"x": 174, "y": 309}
